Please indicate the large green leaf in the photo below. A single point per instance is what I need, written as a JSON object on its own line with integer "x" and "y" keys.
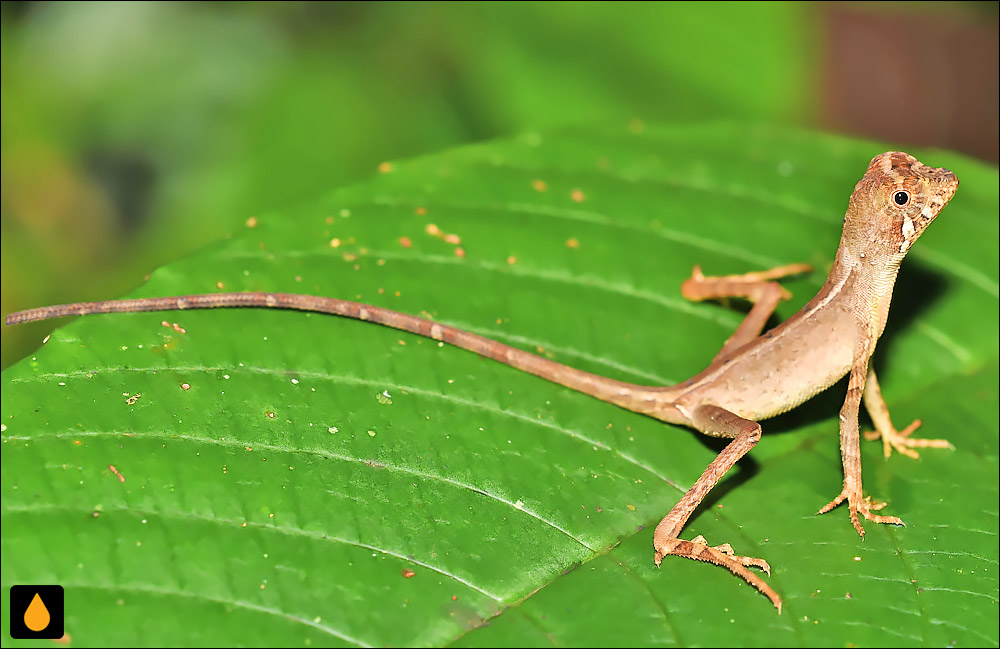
{"x": 273, "y": 494}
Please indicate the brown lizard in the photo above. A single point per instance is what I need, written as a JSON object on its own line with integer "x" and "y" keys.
{"x": 753, "y": 377}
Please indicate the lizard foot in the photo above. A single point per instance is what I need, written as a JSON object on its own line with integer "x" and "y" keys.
{"x": 865, "y": 506}
{"x": 727, "y": 549}
{"x": 721, "y": 555}
{"x": 901, "y": 441}
{"x": 701, "y": 287}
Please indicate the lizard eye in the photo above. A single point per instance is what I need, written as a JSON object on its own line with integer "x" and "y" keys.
{"x": 901, "y": 198}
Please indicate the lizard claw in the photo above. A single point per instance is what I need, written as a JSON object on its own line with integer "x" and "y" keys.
{"x": 727, "y": 549}
{"x": 721, "y": 555}
{"x": 864, "y": 506}
{"x": 901, "y": 441}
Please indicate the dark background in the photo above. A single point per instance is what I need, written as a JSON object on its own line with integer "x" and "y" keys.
{"x": 134, "y": 133}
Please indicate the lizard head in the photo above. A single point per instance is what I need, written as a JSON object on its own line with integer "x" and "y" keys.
{"x": 904, "y": 196}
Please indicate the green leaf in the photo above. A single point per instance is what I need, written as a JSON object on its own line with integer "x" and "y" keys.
{"x": 278, "y": 476}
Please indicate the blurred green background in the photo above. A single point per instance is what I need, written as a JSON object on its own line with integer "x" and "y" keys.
{"x": 133, "y": 133}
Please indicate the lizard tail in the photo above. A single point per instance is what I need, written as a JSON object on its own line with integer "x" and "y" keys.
{"x": 619, "y": 393}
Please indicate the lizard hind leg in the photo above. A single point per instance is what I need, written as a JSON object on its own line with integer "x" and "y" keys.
{"x": 666, "y": 540}
{"x": 884, "y": 428}
{"x": 757, "y": 287}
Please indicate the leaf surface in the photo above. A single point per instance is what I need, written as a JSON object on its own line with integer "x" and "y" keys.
{"x": 289, "y": 478}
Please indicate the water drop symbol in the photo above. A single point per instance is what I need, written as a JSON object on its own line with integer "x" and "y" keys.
{"x": 36, "y": 617}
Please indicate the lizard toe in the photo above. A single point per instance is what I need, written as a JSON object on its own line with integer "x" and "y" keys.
{"x": 720, "y": 555}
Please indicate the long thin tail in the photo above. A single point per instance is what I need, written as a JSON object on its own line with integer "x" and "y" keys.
{"x": 610, "y": 390}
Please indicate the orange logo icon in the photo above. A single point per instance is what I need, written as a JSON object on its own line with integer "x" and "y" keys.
{"x": 36, "y": 612}
{"x": 37, "y": 616}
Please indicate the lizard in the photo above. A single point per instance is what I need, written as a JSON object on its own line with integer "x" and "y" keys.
{"x": 756, "y": 374}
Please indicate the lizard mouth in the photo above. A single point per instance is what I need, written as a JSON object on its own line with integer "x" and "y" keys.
{"x": 944, "y": 184}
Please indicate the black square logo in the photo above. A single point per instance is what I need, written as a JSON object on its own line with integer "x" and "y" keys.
{"x": 36, "y": 612}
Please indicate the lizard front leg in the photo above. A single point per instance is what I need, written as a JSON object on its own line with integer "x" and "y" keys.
{"x": 850, "y": 452}
{"x": 718, "y": 422}
{"x": 892, "y": 438}
{"x": 757, "y": 287}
